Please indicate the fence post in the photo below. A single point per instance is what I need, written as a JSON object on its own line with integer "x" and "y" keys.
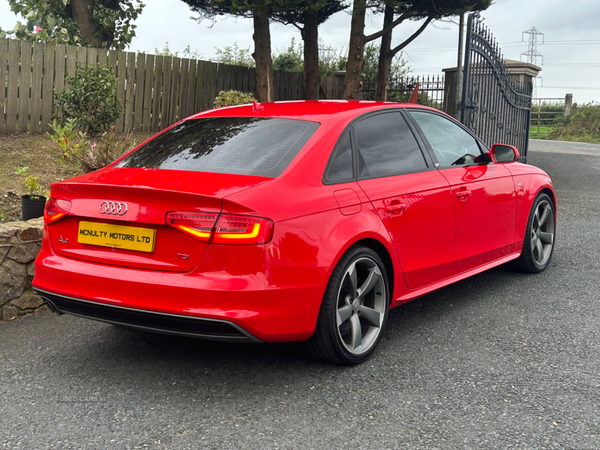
{"x": 568, "y": 104}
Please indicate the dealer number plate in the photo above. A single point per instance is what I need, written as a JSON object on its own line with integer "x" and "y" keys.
{"x": 117, "y": 236}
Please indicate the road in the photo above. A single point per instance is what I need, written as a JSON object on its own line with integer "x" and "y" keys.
{"x": 501, "y": 360}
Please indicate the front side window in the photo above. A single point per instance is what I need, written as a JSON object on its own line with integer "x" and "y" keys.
{"x": 452, "y": 145}
{"x": 236, "y": 145}
{"x": 386, "y": 147}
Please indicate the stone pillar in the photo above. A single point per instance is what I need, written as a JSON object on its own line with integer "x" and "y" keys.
{"x": 521, "y": 72}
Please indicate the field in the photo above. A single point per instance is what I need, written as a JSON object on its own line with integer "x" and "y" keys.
{"x": 536, "y": 132}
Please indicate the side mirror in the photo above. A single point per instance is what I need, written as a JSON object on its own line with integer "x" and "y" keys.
{"x": 502, "y": 153}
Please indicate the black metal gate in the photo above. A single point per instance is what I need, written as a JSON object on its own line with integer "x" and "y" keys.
{"x": 495, "y": 106}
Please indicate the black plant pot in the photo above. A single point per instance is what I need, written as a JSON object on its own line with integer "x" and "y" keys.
{"x": 32, "y": 206}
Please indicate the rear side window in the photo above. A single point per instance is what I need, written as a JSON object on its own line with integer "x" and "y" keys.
{"x": 386, "y": 147}
{"x": 341, "y": 168}
{"x": 236, "y": 145}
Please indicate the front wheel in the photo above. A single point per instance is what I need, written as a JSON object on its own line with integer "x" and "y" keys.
{"x": 539, "y": 237}
{"x": 354, "y": 309}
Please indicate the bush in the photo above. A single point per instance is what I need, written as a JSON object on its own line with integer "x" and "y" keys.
{"x": 91, "y": 156}
{"x": 89, "y": 99}
{"x": 583, "y": 124}
{"x": 231, "y": 98}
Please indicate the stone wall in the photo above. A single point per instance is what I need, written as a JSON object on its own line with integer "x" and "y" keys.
{"x": 19, "y": 245}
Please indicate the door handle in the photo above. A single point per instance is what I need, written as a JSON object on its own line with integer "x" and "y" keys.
{"x": 395, "y": 206}
{"x": 463, "y": 195}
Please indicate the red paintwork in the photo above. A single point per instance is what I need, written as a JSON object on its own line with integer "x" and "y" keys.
{"x": 484, "y": 202}
{"x": 429, "y": 253}
{"x": 434, "y": 227}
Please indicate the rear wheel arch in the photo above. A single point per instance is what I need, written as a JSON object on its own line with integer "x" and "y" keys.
{"x": 384, "y": 254}
{"x": 354, "y": 309}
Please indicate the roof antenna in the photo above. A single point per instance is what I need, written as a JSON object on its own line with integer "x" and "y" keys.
{"x": 256, "y": 106}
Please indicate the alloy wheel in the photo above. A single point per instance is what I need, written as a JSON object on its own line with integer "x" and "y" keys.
{"x": 542, "y": 233}
{"x": 361, "y": 306}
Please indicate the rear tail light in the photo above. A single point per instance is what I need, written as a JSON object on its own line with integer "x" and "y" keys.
{"x": 56, "y": 209}
{"x": 224, "y": 229}
{"x": 197, "y": 224}
{"x": 234, "y": 229}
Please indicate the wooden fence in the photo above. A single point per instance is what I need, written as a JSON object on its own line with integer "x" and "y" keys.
{"x": 155, "y": 91}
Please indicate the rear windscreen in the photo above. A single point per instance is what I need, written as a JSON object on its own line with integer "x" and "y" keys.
{"x": 237, "y": 145}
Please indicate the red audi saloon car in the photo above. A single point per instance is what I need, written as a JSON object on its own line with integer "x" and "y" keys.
{"x": 292, "y": 221}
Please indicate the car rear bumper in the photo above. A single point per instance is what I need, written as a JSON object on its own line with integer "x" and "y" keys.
{"x": 276, "y": 305}
{"x": 147, "y": 320}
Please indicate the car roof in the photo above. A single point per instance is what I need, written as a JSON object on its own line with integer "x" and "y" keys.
{"x": 312, "y": 110}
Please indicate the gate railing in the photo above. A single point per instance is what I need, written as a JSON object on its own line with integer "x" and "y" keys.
{"x": 495, "y": 106}
{"x": 431, "y": 90}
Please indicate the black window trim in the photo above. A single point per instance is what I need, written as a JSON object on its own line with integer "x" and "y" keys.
{"x": 421, "y": 144}
{"x": 482, "y": 147}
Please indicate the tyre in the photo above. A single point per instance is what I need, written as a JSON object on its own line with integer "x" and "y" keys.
{"x": 354, "y": 310}
{"x": 539, "y": 236}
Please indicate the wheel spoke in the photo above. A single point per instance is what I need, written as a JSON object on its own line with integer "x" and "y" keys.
{"x": 367, "y": 286}
{"x": 343, "y": 314}
{"x": 371, "y": 316}
{"x": 352, "y": 276}
{"x": 545, "y": 213}
{"x": 534, "y": 241}
{"x": 535, "y": 224}
{"x": 540, "y": 251}
{"x": 547, "y": 238}
{"x": 356, "y": 339}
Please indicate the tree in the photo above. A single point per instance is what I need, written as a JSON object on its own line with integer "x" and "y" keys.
{"x": 95, "y": 23}
{"x": 307, "y": 15}
{"x": 398, "y": 68}
{"x": 395, "y": 12}
{"x": 260, "y": 11}
{"x": 186, "y": 53}
{"x": 289, "y": 60}
{"x": 234, "y": 55}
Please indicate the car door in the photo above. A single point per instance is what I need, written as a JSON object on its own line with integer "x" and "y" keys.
{"x": 483, "y": 193}
{"x": 411, "y": 197}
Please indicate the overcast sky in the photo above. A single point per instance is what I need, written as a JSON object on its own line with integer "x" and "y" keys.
{"x": 571, "y": 53}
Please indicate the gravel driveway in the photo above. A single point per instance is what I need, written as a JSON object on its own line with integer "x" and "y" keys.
{"x": 501, "y": 360}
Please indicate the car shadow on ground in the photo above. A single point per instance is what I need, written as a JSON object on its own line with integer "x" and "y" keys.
{"x": 139, "y": 350}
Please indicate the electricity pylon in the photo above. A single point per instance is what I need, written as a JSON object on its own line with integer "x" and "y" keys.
{"x": 532, "y": 54}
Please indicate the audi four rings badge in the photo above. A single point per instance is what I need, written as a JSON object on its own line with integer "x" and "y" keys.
{"x": 114, "y": 208}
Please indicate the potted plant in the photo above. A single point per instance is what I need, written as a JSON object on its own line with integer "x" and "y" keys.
{"x": 33, "y": 203}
